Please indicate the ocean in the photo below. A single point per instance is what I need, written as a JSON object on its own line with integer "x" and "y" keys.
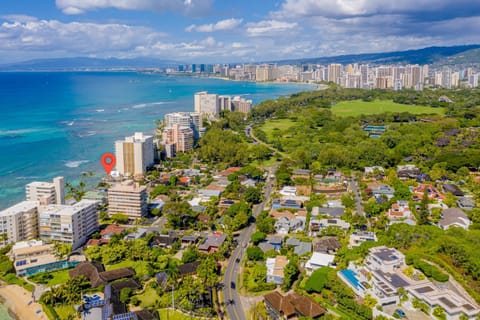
{"x": 60, "y": 123}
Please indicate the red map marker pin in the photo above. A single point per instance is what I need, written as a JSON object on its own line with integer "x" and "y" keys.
{"x": 108, "y": 162}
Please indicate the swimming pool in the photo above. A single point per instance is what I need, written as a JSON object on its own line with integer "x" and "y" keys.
{"x": 352, "y": 278}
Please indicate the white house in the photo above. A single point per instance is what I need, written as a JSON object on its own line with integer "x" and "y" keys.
{"x": 319, "y": 260}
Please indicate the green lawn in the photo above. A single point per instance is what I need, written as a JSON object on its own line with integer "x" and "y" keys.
{"x": 174, "y": 315}
{"x": 359, "y": 107}
{"x": 148, "y": 298}
{"x": 65, "y": 312}
{"x": 271, "y": 125}
{"x": 57, "y": 277}
{"x": 139, "y": 266}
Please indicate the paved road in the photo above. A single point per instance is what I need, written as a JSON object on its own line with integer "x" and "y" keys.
{"x": 232, "y": 299}
{"x": 358, "y": 198}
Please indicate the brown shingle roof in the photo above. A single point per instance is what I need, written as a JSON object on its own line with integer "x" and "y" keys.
{"x": 294, "y": 303}
{"x": 116, "y": 274}
{"x": 188, "y": 268}
{"x": 307, "y": 307}
{"x": 91, "y": 270}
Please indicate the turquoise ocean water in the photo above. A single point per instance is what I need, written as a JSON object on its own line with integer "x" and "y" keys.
{"x": 4, "y": 313}
{"x": 60, "y": 123}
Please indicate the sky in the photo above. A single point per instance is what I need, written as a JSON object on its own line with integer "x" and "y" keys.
{"x": 221, "y": 31}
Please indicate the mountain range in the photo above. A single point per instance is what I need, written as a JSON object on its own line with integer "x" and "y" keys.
{"x": 465, "y": 54}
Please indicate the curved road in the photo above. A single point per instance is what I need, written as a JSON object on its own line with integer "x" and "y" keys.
{"x": 232, "y": 299}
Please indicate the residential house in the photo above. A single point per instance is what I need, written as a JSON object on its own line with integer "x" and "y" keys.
{"x": 359, "y": 237}
{"x": 212, "y": 242}
{"x": 275, "y": 268}
{"x": 299, "y": 247}
{"x": 400, "y": 210}
{"x": 454, "y": 217}
{"x": 383, "y": 190}
{"x": 291, "y": 306}
{"x": 106, "y": 234}
{"x": 164, "y": 240}
{"x": 207, "y": 193}
{"x": 162, "y": 279}
{"x": 408, "y": 171}
{"x": 189, "y": 240}
{"x": 319, "y": 260}
{"x": 453, "y": 189}
{"x": 288, "y": 191}
{"x": 334, "y": 212}
{"x": 301, "y": 173}
{"x": 317, "y": 225}
{"x": 465, "y": 203}
{"x": 385, "y": 259}
{"x": 187, "y": 269}
{"x": 96, "y": 274}
{"x": 328, "y": 245}
{"x": 432, "y": 192}
{"x": 272, "y": 242}
{"x": 286, "y": 204}
{"x": 284, "y": 224}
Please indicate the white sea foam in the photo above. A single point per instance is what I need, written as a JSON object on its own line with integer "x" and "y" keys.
{"x": 144, "y": 105}
{"x": 87, "y": 134}
{"x": 16, "y": 132}
{"x": 100, "y": 110}
{"x": 75, "y": 164}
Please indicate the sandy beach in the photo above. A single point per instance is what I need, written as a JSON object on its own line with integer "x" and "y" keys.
{"x": 17, "y": 298}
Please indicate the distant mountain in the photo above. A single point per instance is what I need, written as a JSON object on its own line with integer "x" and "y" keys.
{"x": 466, "y": 57}
{"x": 421, "y": 56}
{"x": 82, "y": 63}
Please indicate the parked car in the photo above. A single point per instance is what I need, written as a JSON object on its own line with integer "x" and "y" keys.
{"x": 400, "y": 313}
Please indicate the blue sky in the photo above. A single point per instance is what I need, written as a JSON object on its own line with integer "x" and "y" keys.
{"x": 230, "y": 31}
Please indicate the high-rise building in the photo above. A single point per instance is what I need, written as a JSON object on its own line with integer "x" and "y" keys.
{"x": 68, "y": 224}
{"x": 46, "y": 192}
{"x": 181, "y": 137}
{"x": 190, "y": 120}
{"x": 206, "y": 103}
{"x": 19, "y": 222}
{"x": 266, "y": 72}
{"x": 225, "y": 103}
{"x": 134, "y": 154}
{"x": 128, "y": 198}
{"x": 241, "y": 105}
{"x": 334, "y": 72}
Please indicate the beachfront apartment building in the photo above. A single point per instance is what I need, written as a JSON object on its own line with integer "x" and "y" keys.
{"x": 35, "y": 256}
{"x": 128, "y": 198}
{"x": 68, "y": 224}
{"x": 206, "y": 103}
{"x": 46, "y": 192}
{"x": 134, "y": 154}
{"x": 19, "y": 222}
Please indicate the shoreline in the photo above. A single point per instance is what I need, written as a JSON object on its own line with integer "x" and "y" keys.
{"x": 5, "y": 304}
{"x": 17, "y": 301}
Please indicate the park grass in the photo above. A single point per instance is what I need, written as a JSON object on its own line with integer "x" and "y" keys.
{"x": 148, "y": 298}
{"x": 65, "y": 312}
{"x": 281, "y": 124}
{"x": 358, "y": 107}
{"x": 174, "y": 315}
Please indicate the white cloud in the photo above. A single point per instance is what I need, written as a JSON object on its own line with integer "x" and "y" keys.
{"x": 73, "y": 37}
{"x": 222, "y": 25}
{"x": 346, "y": 8}
{"x": 270, "y": 27}
{"x": 187, "y": 7}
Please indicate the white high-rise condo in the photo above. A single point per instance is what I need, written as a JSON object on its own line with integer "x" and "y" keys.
{"x": 46, "y": 192}
{"x": 134, "y": 154}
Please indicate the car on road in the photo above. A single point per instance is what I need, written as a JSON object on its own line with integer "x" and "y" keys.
{"x": 400, "y": 313}
{"x": 237, "y": 260}
{"x": 232, "y": 285}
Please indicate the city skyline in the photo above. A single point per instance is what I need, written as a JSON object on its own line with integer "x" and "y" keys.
{"x": 227, "y": 31}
